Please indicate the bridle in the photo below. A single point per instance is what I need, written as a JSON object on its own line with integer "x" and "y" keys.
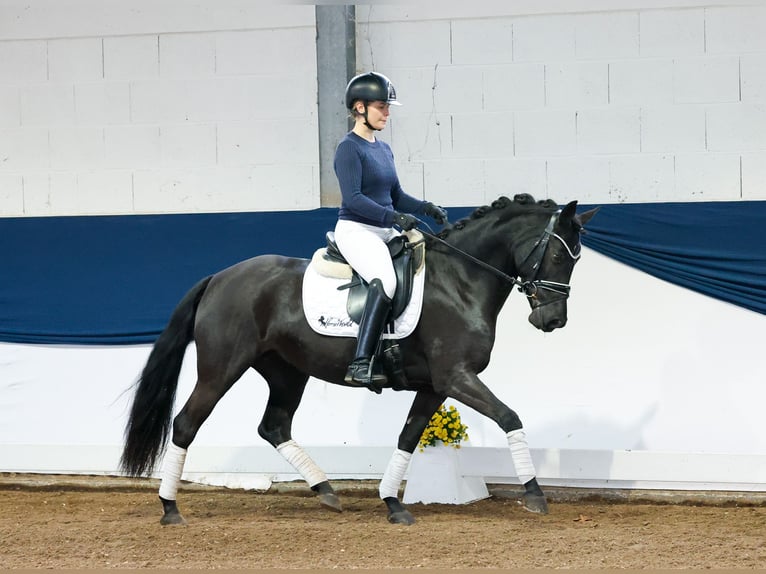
{"x": 530, "y": 267}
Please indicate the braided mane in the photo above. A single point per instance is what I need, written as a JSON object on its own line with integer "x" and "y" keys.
{"x": 522, "y": 199}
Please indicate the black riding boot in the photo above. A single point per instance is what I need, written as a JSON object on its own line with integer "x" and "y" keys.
{"x": 376, "y": 310}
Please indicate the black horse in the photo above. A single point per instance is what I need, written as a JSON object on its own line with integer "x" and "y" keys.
{"x": 250, "y": 315}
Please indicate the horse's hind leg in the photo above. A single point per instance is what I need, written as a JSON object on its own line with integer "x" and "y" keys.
{"x": 206, "y": 394}
{"x": 286, "y": 386}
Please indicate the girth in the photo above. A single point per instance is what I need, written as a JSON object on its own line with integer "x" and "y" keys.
{"x": 407, "y": 254}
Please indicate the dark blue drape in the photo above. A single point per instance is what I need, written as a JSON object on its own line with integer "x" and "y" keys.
{"x": 106, "y": 280}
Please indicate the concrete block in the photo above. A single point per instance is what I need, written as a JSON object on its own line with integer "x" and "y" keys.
{"x": 386, "y": 47}
{"x": 508, "y": 176}
{"x": 607, "y": 35}
{"x": 736, "y": 127}
{"x": 457, "y": 89}
{"x": 420, "y": 137}
{"x": 482, "y": 42}
{"x": 576, "y": 84}
{"x": 131, "y": 57}
{"x": 47, "y": 104}
{"x": 416, "y": 89}
{"x": 584, "y": 178}
{"x": 76, "y": 148}
{"x": 187, "y": 55}
{"x": 753, "y": 77}
{"x": 735, "y": 29}
{"x": 482, "y": 135}
{"x": 673, "y": 128}
{"x": 641, "y": 82}
{"x": 545, "y": 133}
{"x": 754, "y": 176}
{"x": 710, "y": 79}
{"x": 188, "y": 145}
{"x": 641, "y": 178}
{"x": 269, "y": 52}
{"x": 264, "y": 142}
{"x": 666, "y": 33}
{"x": 77, "y": 59}
{"x": 177, "y": 101}
{"x": 11, "y": 195}
{"x": 23, "y": 61}
{"x": 104, "y": 192}
{"x": 707, "y": 177}
{"x": 52, "y": 193}
{"x": 514, "y": 87}
{"x": 455, "y": 182}
{"x": 271, "y": 183}
{"x": 10, "y": 106}
{"x": 102, "y": 103}
{"x": 544, "y": 38}
{"x": 24, "y": 148}
{"x": 134, "y": 147}
{"x": 609, "y": 130}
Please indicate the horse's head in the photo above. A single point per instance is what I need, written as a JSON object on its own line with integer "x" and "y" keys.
{"x": 545, "y": 270}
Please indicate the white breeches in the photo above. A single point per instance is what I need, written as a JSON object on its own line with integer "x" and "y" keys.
{"x": 364, "y": 247}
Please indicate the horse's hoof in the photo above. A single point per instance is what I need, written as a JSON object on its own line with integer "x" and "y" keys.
{"x": 173, "y": 519}
{"x": 331, "y": 501}
{"x": 534, "y": 503}
{"x": 401, "y": 517}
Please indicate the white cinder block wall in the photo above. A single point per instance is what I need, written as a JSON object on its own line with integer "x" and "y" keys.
{"x": 646, "y": 102}
{"x": 156, "y": 108}
{"x": 165, "y": 107}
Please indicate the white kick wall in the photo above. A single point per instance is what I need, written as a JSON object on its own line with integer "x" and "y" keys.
{"x": 162, "y": 107}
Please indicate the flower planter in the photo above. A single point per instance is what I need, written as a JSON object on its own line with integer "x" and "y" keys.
{"x": 435, "y": 476}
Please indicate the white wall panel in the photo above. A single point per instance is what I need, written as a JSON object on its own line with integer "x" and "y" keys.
{"x": 10, "y": 106}
{"x": 187, "y": 55}
{"x": 711, "y": 79}
{"x": 23, "y": 149}
{"x": 131, "y": 57}
{"x": 102, "y": 103}
{"x": 135, "y": 147}
{"x": 641, "y": 82}
{"x": 545, "y": 133}
{"x": 514, "y": 87}
{"x": 447, "y": 181}
{"x": 735, "y": 29}
{"x": 104, "y": 192}
{"x": 584, "y": 178}
{"x": 75, "y": 59}
{"x": 752, "y": 69}
{"x": 483, "y": 135}
{"x": 404, "y": 45}
{"x": 674, "y": 33}
{"x": 11, "y": 195}
{"x": 544, "y": 38}
{"x": 646, "y": 176}
{"x": 672, "y": 128}
{"x": 754, "y": 176}
{"x": 23, "y": 61}
{"x": 47, "y": 105}
{"x": 609, "y": 130}
{"x": 609, "y": 35}
{"x": 76, "y": 148}
{"x": 736, "y": 127}
{"x": 576, "y": 84}
{"x": 482, "y": 42}
{"x": 188, "y": 145}
{"x": 510, "y": 177}
{"x": 707, "y": 177}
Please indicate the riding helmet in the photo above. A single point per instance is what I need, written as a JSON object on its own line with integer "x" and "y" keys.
{"x": 370, "y": 87}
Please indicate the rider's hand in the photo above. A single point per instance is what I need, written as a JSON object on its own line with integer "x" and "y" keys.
{"x": 438, "y": 214}
{"x": 405, "y": 221}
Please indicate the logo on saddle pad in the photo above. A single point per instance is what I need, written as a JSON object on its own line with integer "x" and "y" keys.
{"x": 334, "y": 295}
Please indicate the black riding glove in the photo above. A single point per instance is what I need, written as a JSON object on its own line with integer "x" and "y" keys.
{"x": 438, "y": 214}
{"x": 405, "y": 220}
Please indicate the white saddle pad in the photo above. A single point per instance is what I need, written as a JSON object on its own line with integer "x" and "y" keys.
{"x": 325, "y": 306}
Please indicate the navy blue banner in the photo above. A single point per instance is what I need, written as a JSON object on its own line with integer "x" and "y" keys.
{"x": 107, "y": 280}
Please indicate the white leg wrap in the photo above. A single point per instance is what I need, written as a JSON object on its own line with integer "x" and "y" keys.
{"x": 172, "y": 467}
{"x": 522, "y": 458}
{"x": 301, "y": 462}
{"x": 392, "y": 478}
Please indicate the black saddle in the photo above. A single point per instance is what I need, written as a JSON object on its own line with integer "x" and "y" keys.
{"x": 406, "y": 259}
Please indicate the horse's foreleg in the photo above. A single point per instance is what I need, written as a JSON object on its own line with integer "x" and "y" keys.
{"x": 286, "y": 386}
{"x": 423, "y": 406}
{"x": 471, "y": 391}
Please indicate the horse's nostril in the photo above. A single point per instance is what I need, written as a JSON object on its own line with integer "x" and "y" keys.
{"x": 555, "y": 324}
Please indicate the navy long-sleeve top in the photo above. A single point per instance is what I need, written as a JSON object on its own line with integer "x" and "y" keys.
{"x": 369, "y": 187}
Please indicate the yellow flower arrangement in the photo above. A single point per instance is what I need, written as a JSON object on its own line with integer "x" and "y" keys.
{"x": 445, "y": 425}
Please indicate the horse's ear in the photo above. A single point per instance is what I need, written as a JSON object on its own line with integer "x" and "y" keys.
{"x": 569, "y": 212}
{"x": 586, "y": 216}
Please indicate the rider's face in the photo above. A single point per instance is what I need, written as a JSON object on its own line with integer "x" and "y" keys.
{"x": 377, "y": 113}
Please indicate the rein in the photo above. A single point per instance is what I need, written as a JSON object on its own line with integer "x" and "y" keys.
{"x": 531, "y": 286}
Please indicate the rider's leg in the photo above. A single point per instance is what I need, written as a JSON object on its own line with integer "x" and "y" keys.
{"x": 365, "y": 249}
{"x": 374, "y": 317}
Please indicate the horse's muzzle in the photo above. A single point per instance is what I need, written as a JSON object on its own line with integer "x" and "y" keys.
{"x": 548, "y": 317}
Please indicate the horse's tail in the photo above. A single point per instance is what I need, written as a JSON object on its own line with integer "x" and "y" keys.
{"x": 150, "y": 416}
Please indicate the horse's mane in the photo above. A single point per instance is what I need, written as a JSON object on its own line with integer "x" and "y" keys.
{"x": 522, "y": 200}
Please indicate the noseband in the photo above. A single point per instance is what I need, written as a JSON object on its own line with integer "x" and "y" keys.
{"x": 530, "y": 266}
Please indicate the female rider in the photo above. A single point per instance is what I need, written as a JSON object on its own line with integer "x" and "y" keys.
{"x": 372, "y": 202}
